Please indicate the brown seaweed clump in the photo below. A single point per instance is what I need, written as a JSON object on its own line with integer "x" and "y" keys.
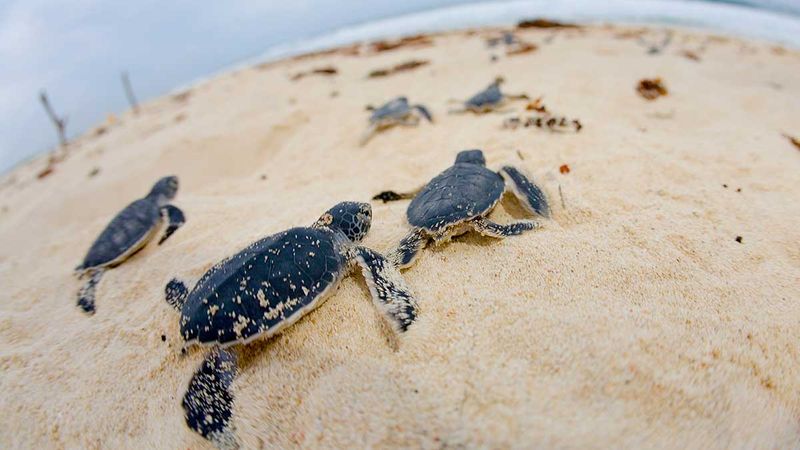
{"x": 651, "y": 89}
{"x": 544, "y": 23}
{"x": 793, "y": 140}
{"x": 402, "y": 67}
{"x": 420, "y": 40}
{"x": 325, "y": 71}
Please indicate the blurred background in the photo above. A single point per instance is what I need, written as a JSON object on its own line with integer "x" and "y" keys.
{"x": 76, "y": 50}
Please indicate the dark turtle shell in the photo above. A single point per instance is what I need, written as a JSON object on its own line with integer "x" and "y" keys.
{"x": 489, "y": 96}
{"x": 263, "y": 287}
{"x": 462, "y": 192}
{"x": 125, "y": 231}
{"x": 395, "y": 109}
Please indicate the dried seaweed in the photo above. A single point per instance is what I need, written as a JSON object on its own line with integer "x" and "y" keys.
{"x": 402, "y": 67}
{"x": 522, "y": 48}
{"x": 545, "y": 121}
{"x": 324, "y": 71}
{"x": 651, "y": 89}
{"x": 793, "y": 140}
{"x": 419, "y": 40}
{"x": 690, "y": 55}
{"x": 544, "y": 23}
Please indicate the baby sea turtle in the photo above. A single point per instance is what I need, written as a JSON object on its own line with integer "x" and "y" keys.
{"x": 267, "y": 287}
{"x": 395, "y": 112}
{"x": 489, "y": 99}
{"x": 459, "y": 199}
{"x": 128, "y": 232}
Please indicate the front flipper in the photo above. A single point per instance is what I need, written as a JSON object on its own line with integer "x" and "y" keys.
{"x": 176, "y": 292}
{"x": 389, "y": 291}
{"x": 488, "y": 228}
{"x": 425, "y": 113}
{"x": 392, "y": 196}
{"x": 408, "y": 249}
{"x": 176, "y": 219}
{"x": 86, "y": 294}
{"x": 531, "y": 197}
{"x": 208, "y": 402}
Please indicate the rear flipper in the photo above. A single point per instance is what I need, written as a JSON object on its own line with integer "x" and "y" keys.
{"x": 208, "y": 402}
{"x": 176, "y": 292}
{"x": 86, "y": 294}
{"x": 371, "y": 130}
{"x": 407, "y": 251}
{"x": 176, "y": 219}
{"x": 425, "y": 113}
{"x": 488, "y": 228}
{"x": 389, "y": 291}
{"x": 531, "y": 197}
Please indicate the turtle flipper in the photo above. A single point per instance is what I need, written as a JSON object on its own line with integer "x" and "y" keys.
{"x": 176, "y": 292}
{"x": 530, "y": 195}
{"x": 392, "y": 196}
{"x": 389, "y": 291}
{"x": 208, "y": 402}
{"x": 488, "y": 228}
{"x": 86, "y": 294}
{"x": 408, "y": 249}
{"x": 176, "y": 219}
{"x": 425, "y": 113}
{"x": 368, "y": 134}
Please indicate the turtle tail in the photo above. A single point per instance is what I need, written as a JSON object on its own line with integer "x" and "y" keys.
{"x": 176, "y": 293}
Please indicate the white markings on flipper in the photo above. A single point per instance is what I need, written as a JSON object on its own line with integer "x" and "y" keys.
{"x": 389, "y": 291}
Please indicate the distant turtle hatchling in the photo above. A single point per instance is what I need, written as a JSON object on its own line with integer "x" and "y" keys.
{"x": 267, "y": 287}
{"x": 128, "y": 233}
{"x": 459, "y": 199}
{"x": 395, "y": 112}
{"x": 491, "y": 99}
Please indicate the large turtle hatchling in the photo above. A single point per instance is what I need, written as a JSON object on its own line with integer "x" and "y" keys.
{"x": 128, "y": 232}
{"x": 267, "y": 287}
{"x": 459, "y": 199}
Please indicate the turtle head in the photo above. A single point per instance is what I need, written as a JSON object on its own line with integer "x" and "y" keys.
{"x": 471, "y": 157}
{"x": 164, "y": 190}
{"x": 351, "y": 218}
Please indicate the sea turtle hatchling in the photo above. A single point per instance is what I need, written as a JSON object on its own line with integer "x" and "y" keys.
{"x": 267, "y": 287}
{"x": 128, "y": 232}
{"x": 490, "y": 99}
{"x": 395, "y": 112}
{"x": 459, "y": 199}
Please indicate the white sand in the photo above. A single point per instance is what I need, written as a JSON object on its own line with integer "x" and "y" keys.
{"x": 633, "y": 319}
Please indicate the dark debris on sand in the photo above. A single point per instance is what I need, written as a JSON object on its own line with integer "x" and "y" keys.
{"x": 324, "y": 71}
{"x": 544, "y": 23}
{"x": 419, "y": 40}
{"x": 793, "y": 140}
{"x": 651, "y": 89}
{"x": 402, "y": 67}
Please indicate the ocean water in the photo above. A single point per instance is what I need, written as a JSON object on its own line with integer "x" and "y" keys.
{"x": 76, "y": 49}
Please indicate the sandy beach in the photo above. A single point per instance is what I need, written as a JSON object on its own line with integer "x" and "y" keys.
{"x": 658, "y": 308}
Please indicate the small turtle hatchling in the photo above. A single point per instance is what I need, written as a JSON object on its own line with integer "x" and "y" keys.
{"x": 128, "y": 233}
{"x": 459, "y": 199}
{"x": 490, "y": 99}
{"x": 395, "y": 112}
{"x": 267, "y": 287}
